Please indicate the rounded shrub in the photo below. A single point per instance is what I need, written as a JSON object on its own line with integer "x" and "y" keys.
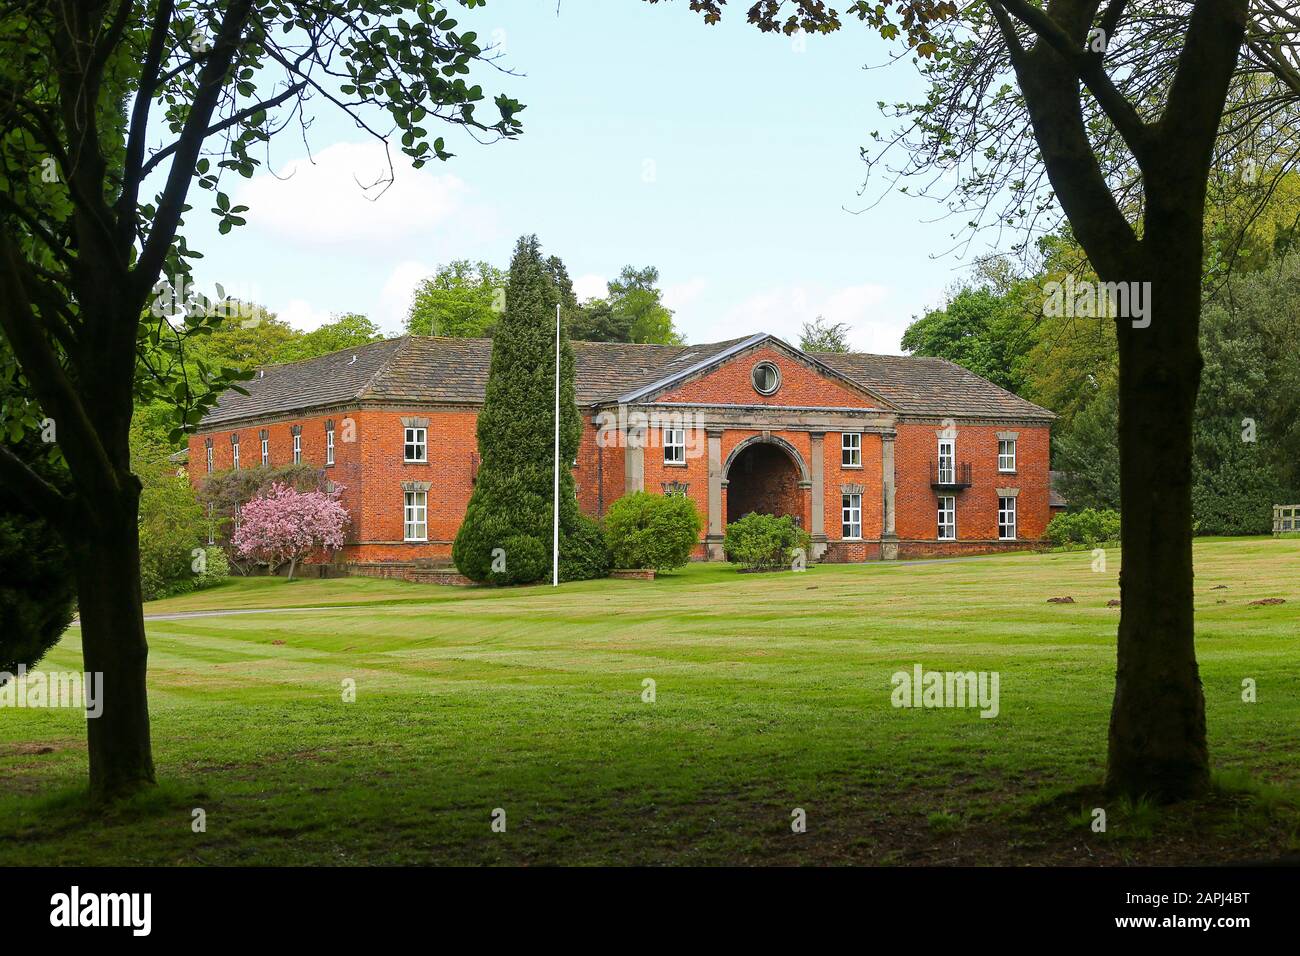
{"x": 652, "y": 531}
{"x": 37, "y": 588}
{"x": 583, "y": 554}
{"x": 1084, "y": 528}
{"x": 216, "y": 567}
{"x": 759, "y": 541}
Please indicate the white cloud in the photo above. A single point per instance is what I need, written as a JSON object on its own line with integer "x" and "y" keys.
{"x": 339, "y": 197}
{"x": 302, "y": 315}
{"x": 590, "y": 286}
{"x": 783, "y": 310}
{"x": 395, "y": 294}
{"x": 679, "y": 295}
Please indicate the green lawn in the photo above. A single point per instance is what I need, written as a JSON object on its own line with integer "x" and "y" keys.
{"x": 772, "y": 692}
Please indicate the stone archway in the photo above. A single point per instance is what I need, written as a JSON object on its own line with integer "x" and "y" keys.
{"x": 767, "y": 475}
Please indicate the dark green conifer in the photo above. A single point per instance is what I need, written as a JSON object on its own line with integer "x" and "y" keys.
{"x": 506, "y": 535}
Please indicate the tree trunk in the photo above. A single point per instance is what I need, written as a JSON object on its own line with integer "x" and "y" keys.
{"x": 107, "y": 558}
{"x": 1157, "y": 741}
{"x": 293, "y": 562}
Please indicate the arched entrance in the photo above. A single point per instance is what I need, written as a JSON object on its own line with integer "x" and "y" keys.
{"x": 765, "y": 475}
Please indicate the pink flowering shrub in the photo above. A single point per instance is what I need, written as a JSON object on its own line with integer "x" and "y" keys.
{"x": 285, "y": 525}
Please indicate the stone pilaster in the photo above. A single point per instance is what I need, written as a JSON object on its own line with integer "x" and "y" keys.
{"x": 818, "y": 466}
{"x": 713, "y": 539}
{"x": 888, "y": 536}
{"x": 634, "y": 461}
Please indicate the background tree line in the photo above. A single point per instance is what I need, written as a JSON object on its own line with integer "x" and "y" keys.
{"x": 1246, "y": 450}
{"x": 465, "y": 299}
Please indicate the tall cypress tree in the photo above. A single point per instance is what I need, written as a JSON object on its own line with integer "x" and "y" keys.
{"x": 506, "y": 535}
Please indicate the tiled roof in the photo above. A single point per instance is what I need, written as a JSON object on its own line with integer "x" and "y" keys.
{"x": 332, "y": 379}
{"x": 435, "y": 370}
{"x": 606, "y": 370}
{"x": 920, "y": 385}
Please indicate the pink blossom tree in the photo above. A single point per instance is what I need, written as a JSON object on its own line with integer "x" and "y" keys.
{"x": 286, "y": 525}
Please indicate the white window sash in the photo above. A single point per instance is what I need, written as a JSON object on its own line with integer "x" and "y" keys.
{"x": 415, "y": 516}
{"x": 674, "y": 446}
{"x": 947, "y": 530}
{"x": 1007, "y": 460}
{"x": 329, "y": 447}
{"x": 947, "y": 461}
{"x": 415, "y": 440}
{"x": 851, "y": 450}
{"x": 851, "y": 516}
{"x": 1007, "y": 519}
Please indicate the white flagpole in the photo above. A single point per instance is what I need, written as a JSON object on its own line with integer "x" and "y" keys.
{"x": 555, "y": 503}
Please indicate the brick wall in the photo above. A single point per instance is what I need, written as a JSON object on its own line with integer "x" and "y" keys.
{"x": 452, "y": 445}
{"x": 800, "y": 385}
{"x": 659, "y": 475}
{"x": 869, "y": 476}
{"x": 370, "y": 468}
{"x": 346, "y": 472}
{"x": 916, "y": 503}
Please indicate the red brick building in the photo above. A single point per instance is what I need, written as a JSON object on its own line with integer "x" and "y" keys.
{"x": 877, "y": 456}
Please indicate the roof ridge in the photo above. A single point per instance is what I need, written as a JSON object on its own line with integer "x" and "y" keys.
{"x": 730, "y": 348}
{"x": 447, "y": 369}
{"x": 403, "y": 342}
{"x": 877, "y": 355}
{"x": 325, "y": 355}
{"x": 988, "y": 381}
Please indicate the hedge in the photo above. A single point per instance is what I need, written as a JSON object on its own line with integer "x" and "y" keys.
{"x": 652, "y": 531}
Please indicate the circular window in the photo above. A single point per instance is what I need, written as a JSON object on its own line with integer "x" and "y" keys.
{"x": 766, "y": 378}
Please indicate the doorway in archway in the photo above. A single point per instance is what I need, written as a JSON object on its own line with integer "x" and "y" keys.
{"x": 764, "y": 479}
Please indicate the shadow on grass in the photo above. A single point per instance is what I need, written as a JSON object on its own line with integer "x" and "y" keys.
{"x": 1238, "y": 821}
{"x": 71, "y": 808}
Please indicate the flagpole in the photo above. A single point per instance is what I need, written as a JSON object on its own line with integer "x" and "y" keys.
{"x": 555, "y": 502}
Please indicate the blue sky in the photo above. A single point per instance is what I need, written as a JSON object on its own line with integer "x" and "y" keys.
{"x": 725, "y": 157}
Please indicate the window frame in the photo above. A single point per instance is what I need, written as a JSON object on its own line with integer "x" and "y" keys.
{"x": 951, "y": 512}
{"x": 209, "y": 450}
{"x": 266, "y": 451}
{"x": 234, "y": 455}
{"x": 853, "y": 451}
{"x": 776, "y": 377}
{"x": 847, "y": 509}
{"x": 951, "y": 473}
{"x": 1003, "y": 514}
{"x": 297, "y": 449}
{"x": 410, "y": 440}
{"x": 1005, "y": 469}
{"x": 329, "y": 446}
{"x": 667, "y": 435}
{"x": 415, "y": 503}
